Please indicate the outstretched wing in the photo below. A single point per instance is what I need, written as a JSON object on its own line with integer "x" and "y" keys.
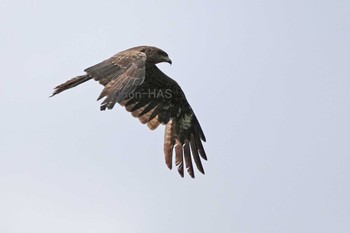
{"x": 160, "y": 100}
{"x": 154, "y": 98}
{"x": 120, "y": 75}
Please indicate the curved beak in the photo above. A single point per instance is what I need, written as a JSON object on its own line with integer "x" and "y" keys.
{"x": 167, "y": 59}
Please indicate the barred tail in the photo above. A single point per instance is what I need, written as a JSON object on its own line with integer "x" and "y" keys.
{"x": 71, "y": 83}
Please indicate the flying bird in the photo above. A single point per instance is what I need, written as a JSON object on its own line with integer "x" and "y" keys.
{"x": 132, "y": 79}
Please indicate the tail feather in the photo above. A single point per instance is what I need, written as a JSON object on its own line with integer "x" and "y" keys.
{"x": 71, "y": 83}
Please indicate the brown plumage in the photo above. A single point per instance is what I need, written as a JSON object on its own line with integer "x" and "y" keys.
{"x": 132, "y": 79}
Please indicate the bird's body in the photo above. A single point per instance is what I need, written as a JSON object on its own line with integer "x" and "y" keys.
{"x": 132, "y": 79}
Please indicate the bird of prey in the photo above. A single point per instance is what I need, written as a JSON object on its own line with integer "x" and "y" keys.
{"x": 132, "y": 79}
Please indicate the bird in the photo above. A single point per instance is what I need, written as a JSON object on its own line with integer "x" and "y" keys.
{"x": 132, "y": 79}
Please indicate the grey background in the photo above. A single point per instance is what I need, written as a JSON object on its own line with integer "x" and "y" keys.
{"x": 268, "y": 80}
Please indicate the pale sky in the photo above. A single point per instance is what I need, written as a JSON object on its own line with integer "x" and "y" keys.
{"x": 268, "y": 80}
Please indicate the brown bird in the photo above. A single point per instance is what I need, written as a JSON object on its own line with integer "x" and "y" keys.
{"x": 132, "y": 79}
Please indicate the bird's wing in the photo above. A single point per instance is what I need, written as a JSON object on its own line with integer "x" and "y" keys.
{"x": 120, "y": 75}
{"x": 160, "y": 100}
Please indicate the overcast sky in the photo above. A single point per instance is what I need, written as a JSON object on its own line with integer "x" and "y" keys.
{"x": 268, "y": 80}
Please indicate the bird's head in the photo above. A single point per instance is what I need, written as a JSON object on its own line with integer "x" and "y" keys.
{"x": 155, "y": 55}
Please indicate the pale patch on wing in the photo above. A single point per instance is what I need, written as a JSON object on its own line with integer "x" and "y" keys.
{"x": 186, "y": 121}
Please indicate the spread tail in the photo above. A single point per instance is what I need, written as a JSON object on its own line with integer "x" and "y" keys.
{"x": 71, "y": 83}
